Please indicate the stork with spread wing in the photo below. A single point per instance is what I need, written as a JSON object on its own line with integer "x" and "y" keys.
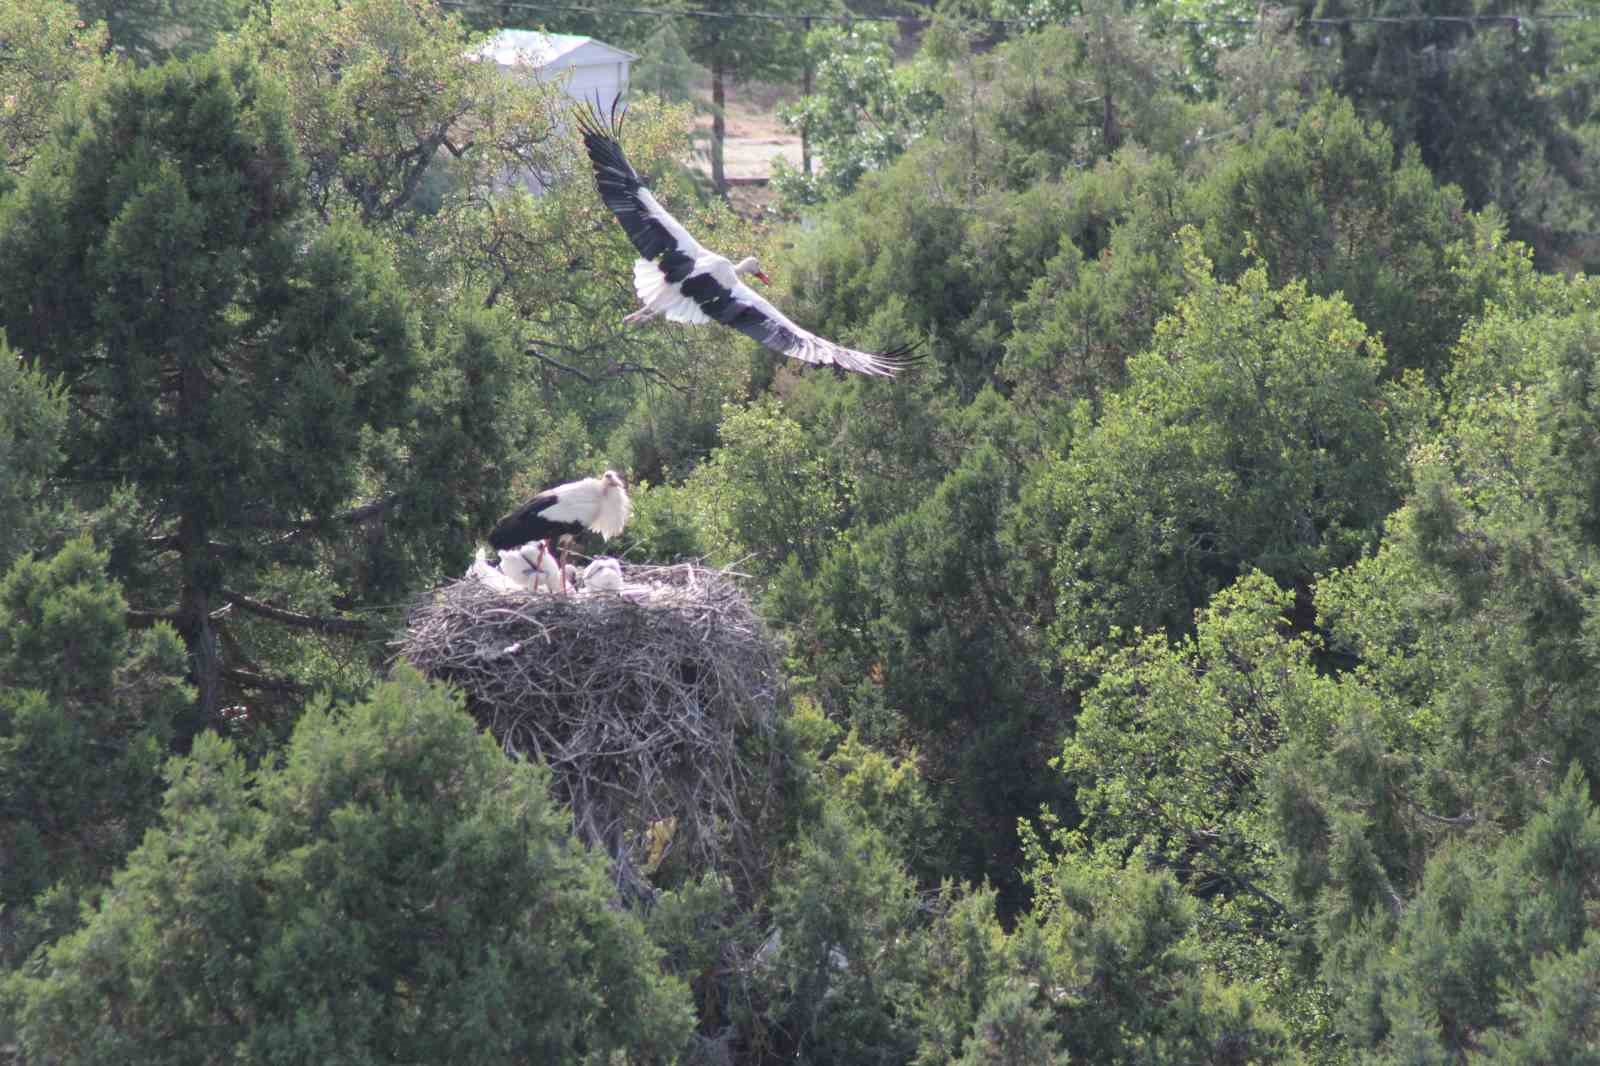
{"x": 675, "y": 276}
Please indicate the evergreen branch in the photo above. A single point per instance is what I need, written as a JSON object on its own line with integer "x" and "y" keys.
{"x": 321, "y": 623}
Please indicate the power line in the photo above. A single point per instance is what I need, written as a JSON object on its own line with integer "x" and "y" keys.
{"x": 779, "y": 16}
{"x": 770, "y": 16}
{"x": 1405, "y": 20}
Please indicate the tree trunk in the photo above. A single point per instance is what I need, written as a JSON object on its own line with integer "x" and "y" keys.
{"x": 1109, "y": 128}
{"x": 205, "y": 661}
{"x": 719, "y": 127}
{"x": 194, "y": 551}
{"x": 805, "y": 126}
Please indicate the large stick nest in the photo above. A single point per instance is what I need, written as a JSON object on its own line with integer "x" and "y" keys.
{"x": 651, "y": 707}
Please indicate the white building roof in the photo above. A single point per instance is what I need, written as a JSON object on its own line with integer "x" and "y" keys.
{"x": 538, "y": 50}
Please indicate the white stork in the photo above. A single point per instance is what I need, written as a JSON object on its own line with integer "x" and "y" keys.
{"x": 525, "y": 569}
{"x": 599, "y": 504}
{"x": 603, "y": 575}
{"x": 533, "y": 566}
{"x": 676, "y": 277}
{"x": 491, "y": 575}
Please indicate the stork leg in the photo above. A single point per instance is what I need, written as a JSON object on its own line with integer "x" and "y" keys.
{"x": 538, "y": 566}
{"x": 644, "y": 314}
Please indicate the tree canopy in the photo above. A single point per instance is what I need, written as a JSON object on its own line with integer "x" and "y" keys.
{"x": 1191, "y": 660}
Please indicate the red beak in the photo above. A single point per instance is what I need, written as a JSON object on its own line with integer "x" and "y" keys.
{"x": 764, "y": 279}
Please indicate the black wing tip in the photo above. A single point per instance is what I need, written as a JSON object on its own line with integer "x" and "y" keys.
{"x": 596, "y": 120}
{"x": 904, "y": 357}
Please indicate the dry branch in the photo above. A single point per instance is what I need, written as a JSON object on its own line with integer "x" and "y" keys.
{"x": 652, "y": 709}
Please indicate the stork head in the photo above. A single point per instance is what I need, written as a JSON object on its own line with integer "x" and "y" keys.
{"x": 752, "y": 266}
{"x": 615, "y": 507}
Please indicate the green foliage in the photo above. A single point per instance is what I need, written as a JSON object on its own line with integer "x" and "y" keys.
{"x": 154, "y": 30}
{"x": 1124, "y": 953}
{"x": 883, "y": 791}
{"x": 665, "y": 525}
{"x": 1552, "y": 1017}
{"x": 87, "y": 708}
{"x": 1255, "y": 433}
{"x": 1167, "y": 750}
{"x": 1173, "y": 755}
{"x": 767, "y": 495}
{"x": 50, "y": 54}
{"x": 1012, "y": 1031}
{"x": 395, "y": 887}
{"x": 840, "y": 966}
{"x": 379, "y": 90}
{"x": 1096, "y": 300}
{"x": 1106, "y": 969}
{"x": 33, "y": 421}
{"x": 264, "y": 388}
{"x": 1477, "y": 102}
{"x": 1481, "y": 633}
{"x": 1487, "y": 946}
{"x": 911, "y": 635}
{"x": 1326, "y": 201}
{"x": 861, "y": 112}
{"x": 664, "y": 69}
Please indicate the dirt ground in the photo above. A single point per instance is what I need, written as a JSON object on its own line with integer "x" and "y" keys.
{"x": 754, "y": 133}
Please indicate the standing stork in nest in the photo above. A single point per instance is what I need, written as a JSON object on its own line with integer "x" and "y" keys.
{"x": 592, "y": 504}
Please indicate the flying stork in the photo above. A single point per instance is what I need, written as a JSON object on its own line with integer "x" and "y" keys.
{"x": 676, "y": 277}
{"x": 599, "y": 504}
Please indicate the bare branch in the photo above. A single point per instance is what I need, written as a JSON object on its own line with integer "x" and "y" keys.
{"x": 350, "y": 517}
{"x": 1459, "y": 820}
{"x": 613, "y": 369}
{"x": 320, "y": 623}
{"x": 574, "y": 371}
{"x": 653, "y": 372}
{"x": 142, "y": 618}
{"x": 262, "y": 682}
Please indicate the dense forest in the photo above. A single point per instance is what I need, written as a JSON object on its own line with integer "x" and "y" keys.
{"x": 1185, "y": 663}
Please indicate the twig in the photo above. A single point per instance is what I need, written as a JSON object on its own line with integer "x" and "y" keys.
{"x": 303, "y": 621}
{"x": 640, "y": 706}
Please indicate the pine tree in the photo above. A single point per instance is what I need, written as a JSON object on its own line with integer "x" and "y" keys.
{"x": 87, "y": 708}
{"x": 395, "y": 889}
{"x": 247, "y": 390}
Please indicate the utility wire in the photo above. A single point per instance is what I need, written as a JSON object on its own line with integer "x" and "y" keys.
{"x": 777, "y": 16}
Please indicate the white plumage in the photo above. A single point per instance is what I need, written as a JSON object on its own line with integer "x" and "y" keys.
{"x": 598, "y": 504}
{"x": 489, "y": 575}
{"x": 603, "y": 575}
{"x": 532, "y": 567}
